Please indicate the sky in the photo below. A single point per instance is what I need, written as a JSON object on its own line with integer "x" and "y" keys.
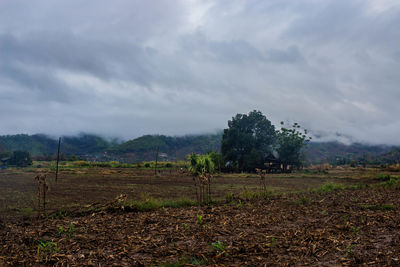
{"x": 126, "y": 68}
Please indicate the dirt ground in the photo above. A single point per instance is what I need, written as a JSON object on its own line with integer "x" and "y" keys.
{"x": 347, "y": 227}
{"x": 293, "y": 228}
{"x": 82, "y": 186}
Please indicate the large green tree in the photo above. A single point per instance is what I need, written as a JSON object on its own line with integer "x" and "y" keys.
{"x": 247, "y": 142}
{"x": 290, "y": 142}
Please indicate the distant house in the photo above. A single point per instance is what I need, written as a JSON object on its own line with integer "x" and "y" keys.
{"x": 4, "y": 162}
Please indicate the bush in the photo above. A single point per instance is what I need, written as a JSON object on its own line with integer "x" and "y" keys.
{"x": 383, "y": 176}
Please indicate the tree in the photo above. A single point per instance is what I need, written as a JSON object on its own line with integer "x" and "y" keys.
{"x": 248, "y": 141}
{"x": 290, "y": 142}
{"x": 20, "y": 158}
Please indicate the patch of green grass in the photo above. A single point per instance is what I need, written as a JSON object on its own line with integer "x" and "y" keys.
{"x": 329, "y": 187}
{"x": 219, "y": 247}
{"x": 302, "y": 201}
{"x": 383, "y": 176}
{"x": 152, "y": 204}
{"x": 26, "y": 211}
{"x": 388, "y": 206}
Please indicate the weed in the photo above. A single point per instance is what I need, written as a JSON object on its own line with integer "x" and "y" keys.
{"x": 356, "y": 230}
{"x": 69, "y": 232}
{"x": 330, "y": 187}
{"x": 383, "y": 176}
{"x": 219, "y": 247}
{"x": 273, "y": 242}
{"x": 349, "y": 250}
{"x": 240, "y": 203}
{"x": 229, "y": 197}
{"x": 199, "y": 219}
{"x": 45, "y": 248}
{"x": 60, "y": 214}
{"x": 185, "y": 225}
{"x": 27, "y": 211}
{"x": 302, "y": 201}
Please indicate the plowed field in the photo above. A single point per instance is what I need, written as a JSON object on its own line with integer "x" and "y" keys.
{"x": 345, "y": 227}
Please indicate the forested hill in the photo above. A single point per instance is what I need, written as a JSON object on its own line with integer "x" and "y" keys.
{"x": 144, "y": 148}
{"x": 39, "y": 144}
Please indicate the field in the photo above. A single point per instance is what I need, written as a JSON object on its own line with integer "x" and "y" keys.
{"x": 336, "y": 217}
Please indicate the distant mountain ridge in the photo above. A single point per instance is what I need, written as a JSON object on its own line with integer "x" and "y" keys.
{"x": 144, "y": 148}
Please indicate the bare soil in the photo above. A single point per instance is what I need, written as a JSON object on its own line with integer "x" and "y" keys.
{"x": 348, "y": 227}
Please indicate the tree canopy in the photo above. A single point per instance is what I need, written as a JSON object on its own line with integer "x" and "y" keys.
{"x": 290, "y": 142}
{"x": 248, "y": 141}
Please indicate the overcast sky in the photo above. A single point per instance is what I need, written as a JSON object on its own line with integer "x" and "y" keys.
{"x": 126, "y": 68}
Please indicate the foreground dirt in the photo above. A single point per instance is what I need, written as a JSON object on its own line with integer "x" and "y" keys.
{"x": 350, "y": 227}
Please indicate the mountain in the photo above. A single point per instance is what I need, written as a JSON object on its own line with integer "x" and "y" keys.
{"x": 339, "y": 153}
{"x": 39, "y": 144}
{"x": 145, "y": 147}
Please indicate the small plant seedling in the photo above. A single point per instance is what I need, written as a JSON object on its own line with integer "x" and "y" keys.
{"x": 240, "y": 203}
{"x": 199, "y": 219}
{"x": 71, "y": 229}
{"x": 273, "y": 241}
{"x": 45, "y": 248}
{"x": 219, "y": 247}
{"x": 185, "y": 225}
{"x": 356, "y": 230}
{"x": 61, "y": 230}
{"x": 69, "y": 232}
{"x": 349, "y": 250}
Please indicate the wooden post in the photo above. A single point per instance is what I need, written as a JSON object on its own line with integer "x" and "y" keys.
{"x": 58, "y": 157}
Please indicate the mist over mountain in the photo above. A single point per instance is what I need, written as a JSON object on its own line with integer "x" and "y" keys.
{"x": 93, "y": 147}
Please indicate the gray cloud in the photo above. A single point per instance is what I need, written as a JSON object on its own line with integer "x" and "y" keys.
{"x": 127, "y": 68}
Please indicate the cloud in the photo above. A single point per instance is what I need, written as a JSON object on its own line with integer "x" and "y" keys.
{"x": 127, "y": 68}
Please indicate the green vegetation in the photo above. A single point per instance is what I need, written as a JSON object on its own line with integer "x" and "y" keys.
{"x": 290, "y": 142}
{"x": 388, "y": 206}
{"x": 219, "y": 247}
{"x": 45, "y": 248}
{"x": 383, "y": 176}
{"x": 199, "y": 219}
{"x": 247, "y": 143}
{"x": 251, "y": 141}
{"x": 20, "y": 159}
{"x": 145, "y": 147}
{"x": 150, "y": 204}
{"x": 330, "y": 187}
{"x": 69, "y": 232}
